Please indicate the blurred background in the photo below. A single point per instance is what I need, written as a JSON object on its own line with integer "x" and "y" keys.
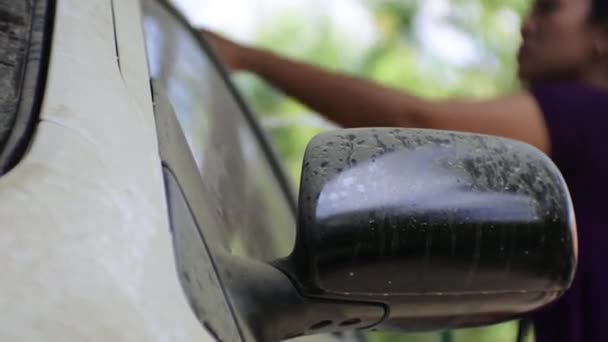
{"x": 433, "y": 48}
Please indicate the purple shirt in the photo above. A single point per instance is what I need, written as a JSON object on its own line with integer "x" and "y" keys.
{"x": 577, "y": 119}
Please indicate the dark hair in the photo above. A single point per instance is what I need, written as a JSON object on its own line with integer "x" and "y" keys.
{"x": 599, "y": 11}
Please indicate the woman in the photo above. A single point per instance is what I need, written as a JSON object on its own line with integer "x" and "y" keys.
{"x": 564, "y": 112}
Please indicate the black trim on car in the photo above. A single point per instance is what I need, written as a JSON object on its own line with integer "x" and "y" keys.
{"x": 184, "y": 194}
{"x": 31, "y": 84}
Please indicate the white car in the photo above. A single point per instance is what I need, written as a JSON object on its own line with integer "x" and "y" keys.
{"x": 141, "y": 201}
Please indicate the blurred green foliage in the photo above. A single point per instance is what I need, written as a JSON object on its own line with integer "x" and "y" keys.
{"x": 396, "y": 58}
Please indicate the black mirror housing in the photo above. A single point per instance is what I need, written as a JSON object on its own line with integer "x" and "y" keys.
{"x": 444, "y": 229}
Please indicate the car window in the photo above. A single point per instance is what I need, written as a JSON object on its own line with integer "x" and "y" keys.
{"x": 254, "y": 213}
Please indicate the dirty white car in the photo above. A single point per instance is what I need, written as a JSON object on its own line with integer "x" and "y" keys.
{"x": 141, "y": 201}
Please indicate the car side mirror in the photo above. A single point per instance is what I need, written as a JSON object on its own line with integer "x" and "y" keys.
{"x": 442, "y": 229}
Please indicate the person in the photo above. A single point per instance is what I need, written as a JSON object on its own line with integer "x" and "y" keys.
{"x": 563, "y": 61}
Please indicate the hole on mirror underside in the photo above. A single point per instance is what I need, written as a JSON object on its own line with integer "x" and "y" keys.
{"x": 350, "y": 322}
{"x": 321, "y": 325}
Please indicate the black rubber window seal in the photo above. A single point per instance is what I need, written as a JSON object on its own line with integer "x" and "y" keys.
{"x": 31, "y": 81}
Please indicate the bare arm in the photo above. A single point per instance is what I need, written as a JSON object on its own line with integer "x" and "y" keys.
{"x": 353, "y": 102}
{"x": 346, "y": 100}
